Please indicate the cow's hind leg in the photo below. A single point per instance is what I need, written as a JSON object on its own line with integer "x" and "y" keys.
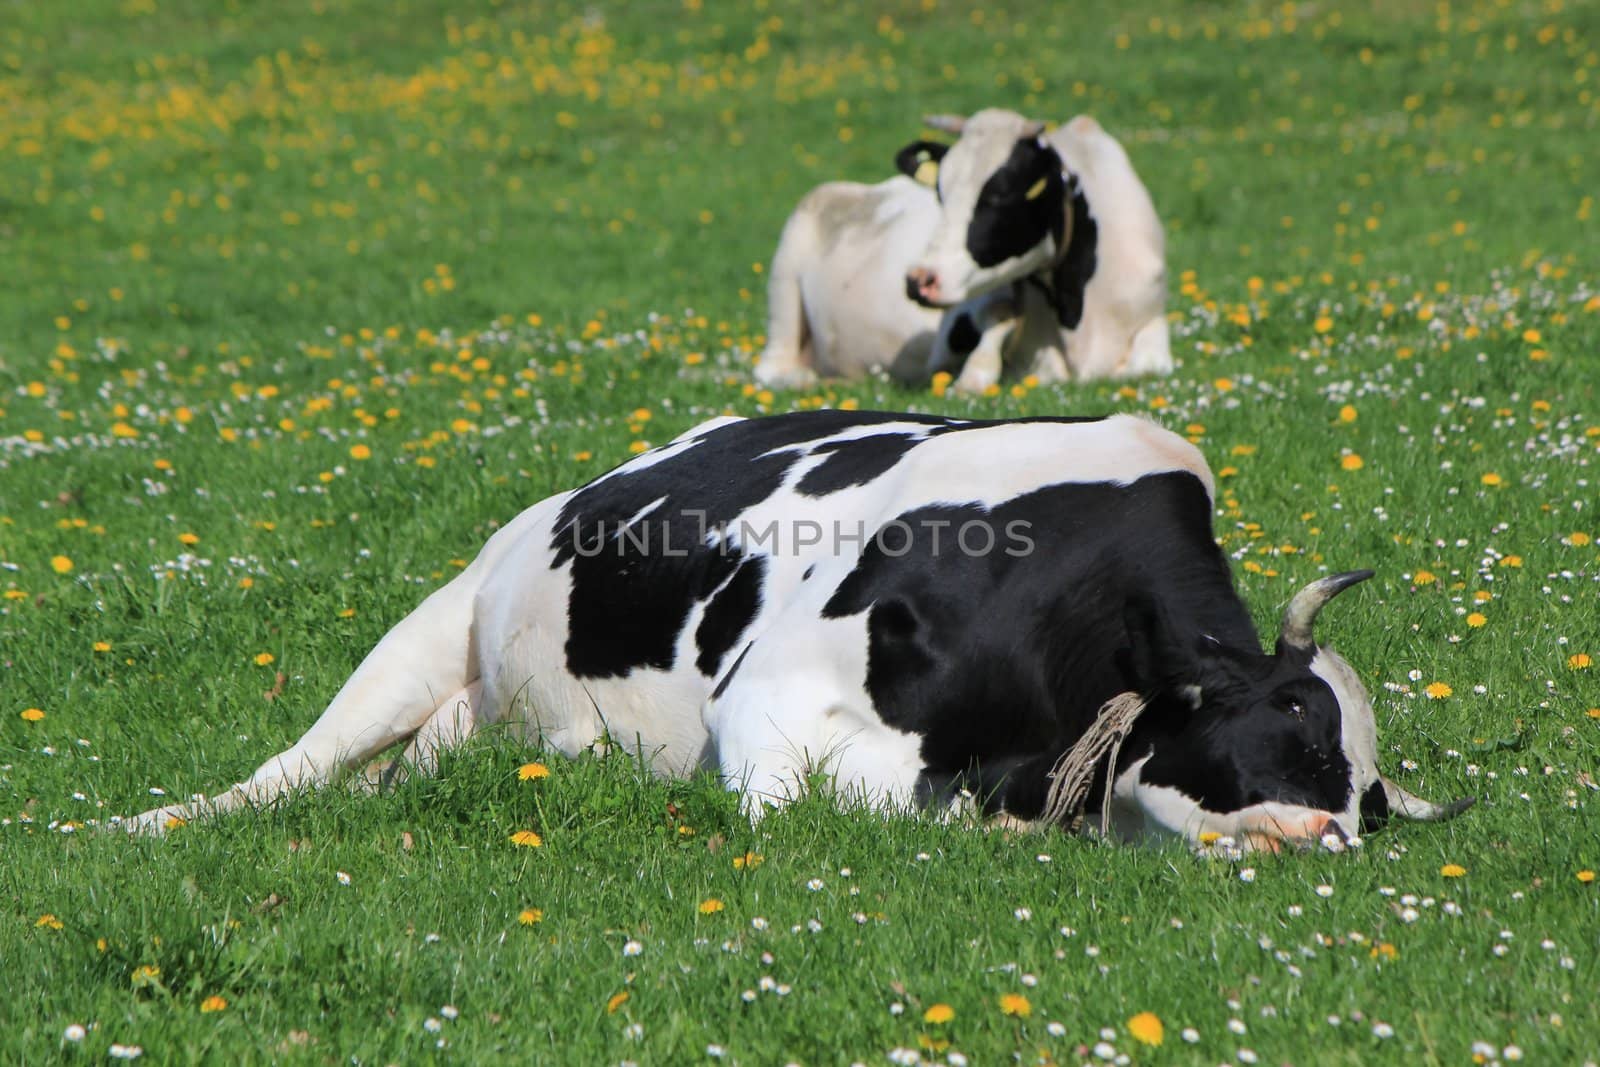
{"x": 784, "y": 360}
{"x": 455, "y": 720}
{"x": 395, "y": 692}
{"x": 392, "y": 694}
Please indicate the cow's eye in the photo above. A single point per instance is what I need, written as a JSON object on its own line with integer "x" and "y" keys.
{"x": 1297, "y": 709}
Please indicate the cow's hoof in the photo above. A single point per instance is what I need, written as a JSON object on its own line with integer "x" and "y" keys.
{"x": 156, "y": 821}
{"x": 974, "y": 384}
{"x": 779, "y": 376}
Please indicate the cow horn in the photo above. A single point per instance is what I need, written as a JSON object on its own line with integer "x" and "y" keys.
{"x": 1301, "y": 614}
{"x": 1410, "y": 806}
{"x": 948, "y": 123}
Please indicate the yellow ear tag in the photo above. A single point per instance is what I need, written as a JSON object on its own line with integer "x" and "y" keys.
{"x": 927, "y": 172}
{"x": 1038, "y": 188}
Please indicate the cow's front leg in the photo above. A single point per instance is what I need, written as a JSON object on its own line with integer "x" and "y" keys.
{"x": 788, "y": 720}
{"x": 984, "y": 365}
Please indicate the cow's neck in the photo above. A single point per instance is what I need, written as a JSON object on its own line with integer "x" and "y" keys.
{"x": 1064, "y": 280}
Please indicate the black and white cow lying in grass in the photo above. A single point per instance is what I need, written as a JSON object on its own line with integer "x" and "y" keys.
{"x": 1016, "y": 250}
{"x": 922, "y": 608}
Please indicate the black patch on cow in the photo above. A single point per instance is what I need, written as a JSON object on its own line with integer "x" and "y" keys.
{"x": 1374, "y": 808}
{"x": 1006, "y": 222}
{"x": 632, "y": 591}
{"x": 855, "y": 461}
{"x": 730, "y": 611}
{"x": 963, "y": 336}
{"x": 806, "y": 576}
{"x": 1071, "y": 275}
{"x": 722, "y": 686}
{"x": 999, "y": 661}
{"x": 915, "y": 154}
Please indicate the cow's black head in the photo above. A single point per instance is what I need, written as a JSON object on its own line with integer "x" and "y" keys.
{"x": 1262, "y": 748}
{"x": 1003, "y": 208}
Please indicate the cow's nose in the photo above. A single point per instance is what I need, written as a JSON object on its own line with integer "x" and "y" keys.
{"x": 922, "y": 285}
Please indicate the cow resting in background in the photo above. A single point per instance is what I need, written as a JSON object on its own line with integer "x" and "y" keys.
{"x": 1031, "y": 253}
{"x": 926, "y": 609}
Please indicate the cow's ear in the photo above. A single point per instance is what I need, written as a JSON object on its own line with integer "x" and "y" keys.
{"x": 1158, "y": 660}
{"x": 920, "y": 160}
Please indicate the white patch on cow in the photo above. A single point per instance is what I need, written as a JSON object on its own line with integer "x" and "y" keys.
{"x": 1358, "y": 729}
{"x": 1123, "y": 331}
{"x": 700, "y": 429}
{"x": 638, "y": 515}
{"x": 1120, "y": 449}
{"x": 777, "y": 727}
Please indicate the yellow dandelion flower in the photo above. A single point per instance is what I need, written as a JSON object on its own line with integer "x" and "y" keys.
{"x": 1424, "y": 578}
{"x": 264, "y": 658}
{"x": 526, "y": 839}
{"x": 189, "y": 538}
{"x": 710, "y": 906}
{"x": 749, "y": 861}
{"x": 530, "y": 771}
{"x": 1580, "y": 661}
{"x": 1452, "y": 870}
{"x": 1511, "y": 561}
{"x": 637, "y": 447}
{"x": 530, "y": 916}
{"x": 102, "y": 646}
{"x": 48, "y": 922}
{"x": 1593, "y": 713}
{"x": 61, "y": 564}
{"x": 1146, "y": 1028}
{"x": 1586, "y": 876}
{"x": 1491, "y": 479}
{"x": 939, "y": 1014}
{"x": 1223, "y": 385}
{"x": 1477, "y": 619}
{"x": 360, "y": 452}
{"x": 1209, "y": 837}
{"x": 617, "y": 1001}
{"x": 1533, "y": 337}
{"x": 1351, "y": 462}
{"x": 1015, "y": 1004}
{"x": 1384, "y": 949}
{"x": 32, "y": 714}
{"x": 1438, "y": 690}
{"x": 213, "y": 1003}
{"x": 1579, "y": 539}
{"x": 1323, "y": 324}
{"x": 1348, "y": 413}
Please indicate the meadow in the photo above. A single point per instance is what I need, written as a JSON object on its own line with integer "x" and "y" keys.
{"x": 301, "y": 300}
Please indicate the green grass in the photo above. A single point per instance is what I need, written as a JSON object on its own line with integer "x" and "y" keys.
{"x": 241, "y": 240}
